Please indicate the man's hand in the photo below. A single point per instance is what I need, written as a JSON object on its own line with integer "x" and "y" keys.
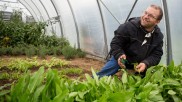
{"x": 140, "y": 67}
{"x": 119, "y": 61}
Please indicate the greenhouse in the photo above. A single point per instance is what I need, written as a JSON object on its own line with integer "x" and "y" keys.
{"x": 89, "y": 26}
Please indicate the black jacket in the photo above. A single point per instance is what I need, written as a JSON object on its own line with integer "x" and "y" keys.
{"x": 128, "y": 40}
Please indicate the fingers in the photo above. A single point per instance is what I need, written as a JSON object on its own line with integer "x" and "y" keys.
{"x": 120, "y": 61}
{"x": 140, "y": 67}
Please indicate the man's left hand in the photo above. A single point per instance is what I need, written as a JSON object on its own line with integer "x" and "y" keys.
{"x": 140, "y": 67}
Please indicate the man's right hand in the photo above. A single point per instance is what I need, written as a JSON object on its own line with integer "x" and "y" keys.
{"x": 119, "y": 61}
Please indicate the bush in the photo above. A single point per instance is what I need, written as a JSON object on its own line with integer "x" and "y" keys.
{"x": 69, "y": 52}
{"x": 42, "y": 51}
{"x": 30, "y": 50}
{"x": 9, "y": 50}
{"x": 17, "y": 51}
{"x": 80, "y": 53}
{"x": 54, "y": 51}
{"x": 3, "y": 50}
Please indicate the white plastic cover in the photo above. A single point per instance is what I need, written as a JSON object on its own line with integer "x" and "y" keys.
{"x": 90, "y": 24}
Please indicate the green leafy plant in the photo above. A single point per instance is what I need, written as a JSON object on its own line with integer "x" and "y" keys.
{"x": 71, "y": 71}
{"x": 17, "y": 51}
{"x": 30, "y": 50}
{"x": 69, "y": 52}
{"x": 42, "y": 51}
{"x": 80, "y": 53}
{"x": 131, "y": 88}
{"x": 2, "y": 50}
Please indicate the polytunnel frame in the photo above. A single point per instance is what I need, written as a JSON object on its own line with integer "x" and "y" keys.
{"x": 104, "y": 27}
{"x": 42, "y": 18}
{"x": 46, "y": 12}
{"x": 167, "y": 26}
{"x": 75, "y": 22}
{"x": 169, "y": 46}
{"x": 107, "y": 50}
{"x": 61, "y": 27}
{"x": 38, "y": 10}
{"x": 24, "y": 4}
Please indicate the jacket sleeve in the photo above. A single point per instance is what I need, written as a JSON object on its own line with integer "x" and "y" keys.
{"x": 119, "y": 41}
{"x": 155, "y": 57}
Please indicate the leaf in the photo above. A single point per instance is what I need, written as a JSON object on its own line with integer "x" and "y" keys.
{"x": 95, "y": 76}
{"x": 73, "y": 94}
{"x": 171, "y": 92}
{"x": 176, "y": 98}
{"x": 172, "y": 82}
{"x": 36, "y": 79}
{"x": 124, "y": 96}
{"x": 37, "y": 93}
{"x": 124, "y": 77}
{"x": 4, "y": 92}
{"x": 155, "y": 96}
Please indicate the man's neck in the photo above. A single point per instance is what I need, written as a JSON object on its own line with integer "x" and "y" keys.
{"x": 149, "y": 29}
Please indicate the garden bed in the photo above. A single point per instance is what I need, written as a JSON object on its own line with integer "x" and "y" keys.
{"x": 85, "y": 64}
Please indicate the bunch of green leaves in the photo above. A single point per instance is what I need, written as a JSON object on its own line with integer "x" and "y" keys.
{"x": 22, "y": 65}
{"x": 161, "y": 84}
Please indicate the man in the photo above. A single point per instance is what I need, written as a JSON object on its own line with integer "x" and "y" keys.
{"x": 137, "y": 41}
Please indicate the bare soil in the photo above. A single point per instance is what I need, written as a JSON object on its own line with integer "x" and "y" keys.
{"x": 84, "y": 63}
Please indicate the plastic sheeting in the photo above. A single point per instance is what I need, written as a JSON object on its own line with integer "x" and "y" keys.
{"x": 89, "y": 24}
{"x": 175, "y": 22}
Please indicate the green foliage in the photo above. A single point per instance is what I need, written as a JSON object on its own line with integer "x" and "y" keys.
{"x": 21, "y": 65}
{"x": 28, "y": 87}
{"x": 4, "y": 76}
{"x": 16, "y": 32}
{"x": 3, "y": 50}
{"x": 17, "y": 51}
{"x": 157, "y": 86}
{"x": 71, "y": 71}
{"x": 16, "y": 16}
{"x": 31, "y": 37}
{"x": 54, "y": 41}
{"x": 80, "y": 53}
{"x": 30, "y": 50}
{"x": 10, "y": 76}
{"x": 54, "y": 62}
{"x": 8, "y": 50}
{"x": 4, "y": 92}
{"x": 55, "y": 51}
{"x": 69, "y": 52}
{"x": 42, "y": 51}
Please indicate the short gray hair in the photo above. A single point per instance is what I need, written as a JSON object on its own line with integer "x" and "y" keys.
{"x": 160, "y": 11}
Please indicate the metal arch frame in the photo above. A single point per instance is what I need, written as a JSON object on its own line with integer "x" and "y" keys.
{"x": 61, "y": 26}
{"x": 115, "y": 19}
{"x": 8, "y": 1}
{"x": 75, "y": 22}
{"x": 23, "y": 2}
{"x": 104, "y": 27}
{"x": 168, "y": 33}
{"x": 46, "y": 12}
{"x": 37, "y": 9}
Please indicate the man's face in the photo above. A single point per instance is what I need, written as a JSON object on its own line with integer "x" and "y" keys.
{"x": 149, "y": 18}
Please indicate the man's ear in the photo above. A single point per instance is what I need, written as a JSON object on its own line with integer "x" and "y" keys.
{"x": 157, "y": 22}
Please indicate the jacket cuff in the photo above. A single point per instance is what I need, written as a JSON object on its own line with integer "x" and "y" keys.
{"x": 117, "y": 56}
